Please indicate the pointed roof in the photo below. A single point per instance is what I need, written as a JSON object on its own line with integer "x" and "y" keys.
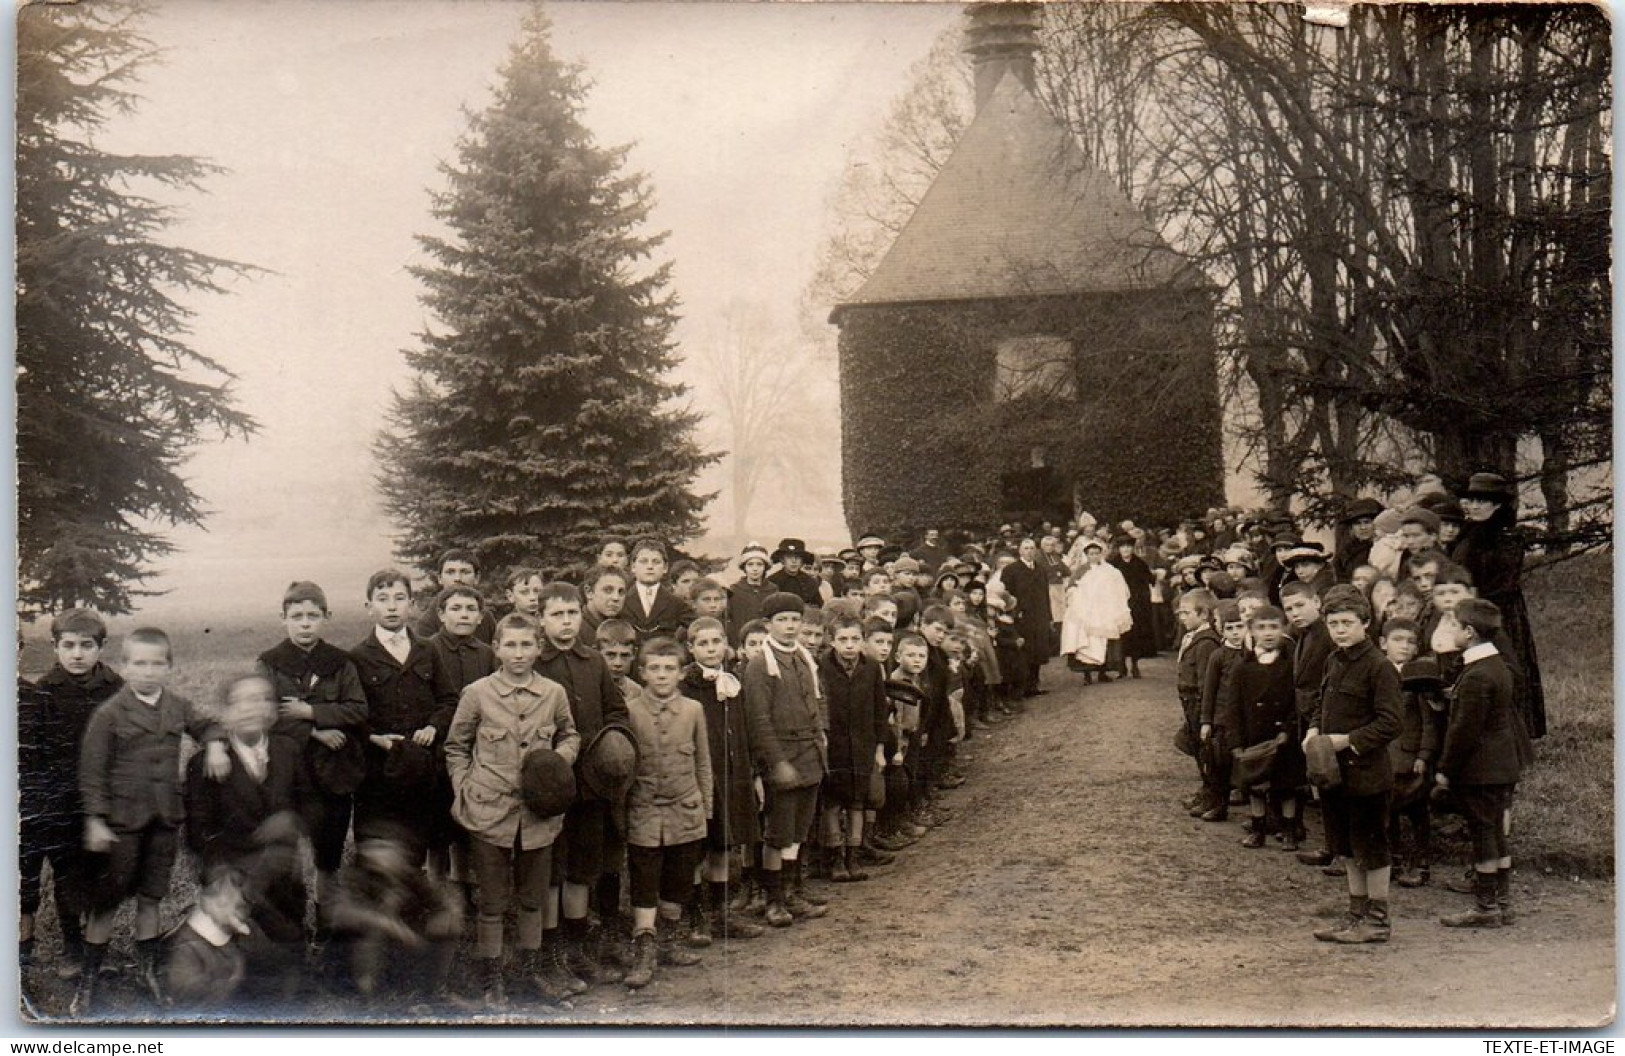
{"x": 1016, "y": 211}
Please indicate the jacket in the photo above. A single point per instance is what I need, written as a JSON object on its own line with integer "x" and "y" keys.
{"x": 496, "y": 723}
{"x": 733, "y": 800}
{"x": 222, "y": 816}
{"x": 130, "y": 759}
{"x": 595, "y": 697}
{"x": 671, "y": 796}
{"x": 401, "y": 699}
{"x": 323, "y": 677}
{"x": 744, "y": 605}
{"x": 804, "y": 585}
{"x": 51, "y": 722}
{"x": 782, "y": 714}
{"x": 458, "y": 664}
{"x": 1421, "y": 716}
{"x": 1220, "y": 663}
{"x": 857, "y": 722}
{"x": 1194, "y": 649}
{"x": 1482, "y": 743}
{"x": 665, "y": 618}
{"x": 1310, "y": 649}
{"x": 1361, "y": 698}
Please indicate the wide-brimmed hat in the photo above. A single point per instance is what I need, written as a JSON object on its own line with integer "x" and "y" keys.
{"x": 830, "y": 557}
{"x": 754, "y": 552}
{"x": 788, "y": 547}
{"x": 547, "y": 783}
{"x": 1360, "y": 509}
{"x": 1421, "y": 675}
{"x": 1093, "y": 543}
{"x": 1305, "y": 551}
{"x": 1491, "y": 486}
{"x": 1448, "y": 509}
{"x": 1284, "y": 541}
{"x": 850, "y": 555}
{"x": 608, "y": 763}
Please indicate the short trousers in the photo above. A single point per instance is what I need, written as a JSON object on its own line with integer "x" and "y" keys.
{"x": 790, "y": 813}
{"x": 140, "y": 863}
{"x": 579, "y": 853}
{"x": 663, "y": 874}
{"x": 1488, "y": 811}
{"x": 1357, "y": 827}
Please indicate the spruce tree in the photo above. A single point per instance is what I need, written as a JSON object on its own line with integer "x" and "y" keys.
{"x": 540, "y": 416}
{"x": 110, "y": 397}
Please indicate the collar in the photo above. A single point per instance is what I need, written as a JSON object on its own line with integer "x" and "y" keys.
{"x": 150, "y": 702}
{"x": 549, "y": 650}
{"x": 386, "y": 637}
{"x": 655, "y": 703}
{"x": 1479, "y": 652}
{"x": 1357, "y": 650}
{"x": 505, "y": 688}
{"x": 206, "y": 927}
{"x": 98, "y": 676}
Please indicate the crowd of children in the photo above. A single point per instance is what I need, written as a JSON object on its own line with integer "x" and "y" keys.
{"x": 590, "y": 784}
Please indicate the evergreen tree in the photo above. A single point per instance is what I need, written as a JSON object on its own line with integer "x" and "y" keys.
{"x": 110, "y": 398}
{"x": 540, "y": 417}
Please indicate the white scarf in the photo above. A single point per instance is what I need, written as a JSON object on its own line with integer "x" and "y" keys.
{"x": 773, "y": 662}
{"x": 727, "y": 684}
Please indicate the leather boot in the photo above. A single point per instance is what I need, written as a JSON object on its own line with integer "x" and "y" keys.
{"x": 644, "y": 959}
{"x": 553, "y": 984}
{"x": 801, "y": 903}
{"x": 1486, "y": 911}
{"x": 854, "y": 871}
{"x": 698, "y": 932}
{"x": 1503, "y": 896}
{"x": 1359, "y": 905}
{"x": 1373, "y": 926}
{"x": 581, "y": 952}
{"x": 727, "y": 920}
{"x": 1463, "y": 884}
{"x": 1255, "y": 834}
{"x": 839, "y": 867}
{"x": 668, "y": 946}
{"x": 83, "y": 1003}
{"x": 776, "y": 913}
{"x": 871, "y": 853}
{"x": 73, "y": 953}
{"x": 614, "y": 947}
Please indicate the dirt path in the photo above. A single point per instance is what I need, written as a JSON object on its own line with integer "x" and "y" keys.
{"x": 1070, "y": 889}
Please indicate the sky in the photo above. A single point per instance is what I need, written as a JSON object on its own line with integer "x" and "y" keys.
{"x": 331, "y": 118}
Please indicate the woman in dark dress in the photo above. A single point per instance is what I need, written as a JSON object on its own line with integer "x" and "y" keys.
{"x": 1140, "y": 641}
{"x": 1491, "y": 548}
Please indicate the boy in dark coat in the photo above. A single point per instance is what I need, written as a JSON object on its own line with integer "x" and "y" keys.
{"x": 406, "y": 721}
{"x": 1360, "y": 713}
{"x": 1256, "y": 704}
{"x": 458, "y": 568}
{"x": 52, "y": 716}
{"x": 1311, "y": 645}
{"x": 734, "y": 826}
{"x": 652, "y": 608}
{"x": 323, "y": 711}
{"x": 1195, "y": 615}
{"x": 1486, "y": 747}
{"x": 855, "y": 689}
{"x": 1411, "y": 754}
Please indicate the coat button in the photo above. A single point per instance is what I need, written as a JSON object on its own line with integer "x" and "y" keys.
{"x": 524, "y": 744}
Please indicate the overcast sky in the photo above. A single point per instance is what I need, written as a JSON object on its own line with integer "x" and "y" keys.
{"x": 331, "y": 118}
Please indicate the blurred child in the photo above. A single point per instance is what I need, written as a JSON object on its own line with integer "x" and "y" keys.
{"x": 401, "y": 928}
{"x": 1411, "y": 754}
{"x": 204, "y": 963}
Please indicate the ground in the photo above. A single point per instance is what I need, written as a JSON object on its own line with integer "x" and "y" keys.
{"x": 1071, "y": 889}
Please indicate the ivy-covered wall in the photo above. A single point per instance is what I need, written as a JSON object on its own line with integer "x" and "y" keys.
{"x": 924, "y": 444}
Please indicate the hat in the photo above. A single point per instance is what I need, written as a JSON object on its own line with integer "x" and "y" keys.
{"x": 1122, "y": 540}
{"x": 1239, "y": 555}
{"x": 871, "y": 540}
{"x": 782, "y": 601}
{"x": 947, "y": 573}
{"x": 1448, "y": 510}
{"x": 608, "y": 763}
{"x": 905, "y": 563}
{"x": 1423, "y": 516}
{"x": 1421, "y": 675}
{"x": 788, "y": 547}
{"x": 1306, "y": 551}
{"x": 339, "y": 771}
{"x": 547, "y": 784}
{"x": 1188, "y": 563}
{"x": 1092, "y": 543}
{"x": 409, "y": 765}
{"x": 829, "y": 557}
{"x": 1285, "y": 540}
{"x": 754, "y": 552}
{"x": 1388, "y": 521}
{"x": 1321, "y": 762}
{"x": 889, "y": 553}
{"x": 850, "y": 554}
{"x": 1490, "y": 486}
{"x": 1007, "y": 529}
{"x": 1360, "y": 509}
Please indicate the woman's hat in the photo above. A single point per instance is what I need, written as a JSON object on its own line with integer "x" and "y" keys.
{"x": 850, "y": 555}
{"x": 1490, "y": 486}
{"x": 1285, "y": 541}
{"x": 547, "y": 784}
{"x": 754, "y": 552}
{"x": 1421, "y": 675}
{"x": 788, "y": 547}
{"x": 871, "y": 540}
{"x": 1448, "y": 509}
{"x": 1388, "y": 521}
{"x": 1188, "y": 563}
{"x": 1239, "y": 555}
{"x": 782, "y": 601}
{"x": 1092, "y": 543}
{"x": 1306, "y": 551}
{"x": 1360, "y": 509}
{"x": 831, "y": 558}
{"x": 608, "y": 763}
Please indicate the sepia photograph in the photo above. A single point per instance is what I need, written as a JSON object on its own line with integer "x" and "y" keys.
{"x": 814, "y": 514}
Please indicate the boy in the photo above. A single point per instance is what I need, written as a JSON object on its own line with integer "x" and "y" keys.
{"x": 855, "y": 690}
{"x": 406, "y": 721}
{"x": 882, "y": 839}
{"x": 524, "y": 591}
{"x": 734, "y": 827}
{"x": 905, "y": 693}
{"x": 936, "y": 718}
{"x": 1310, "y": 648}
{"x": 903, "y": 590}
{"x": 596, "y": 701}
{"x": 745, "y": 597}
{"x": 130, "y": 790}
{"x": 606, "y": 587}
{"x": 1257, "y": 705}
{"x": 1360, "y": 712}
{"x": 782, "y": 705}
{"x": 667, "y": 809}
{"x": 751, "y": 638}
{"x": 1411, "y": 754}
{"x": 709, "y": 599}
{"x": 1486, "y": 747}
{"x": 617, "y": 644}
{"x": 651, "y": 607}
{"x": 51, "y": 723}
{"x": 882, "y": 607}
{"x": 205, "y": 964}
{"x": 1214, "y": 737}
{"x": 323, "y": 710}
{"x": 458, "y": 568}
{"x": 612, "y": 553}
{"x": 877, "y": 583}
{"x": 811, "y": 635}
{"x": 1195, "y": 615}
{"x": 682, "y": 576}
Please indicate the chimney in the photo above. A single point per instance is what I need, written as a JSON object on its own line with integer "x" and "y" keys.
{"x": 1002, "y": 37}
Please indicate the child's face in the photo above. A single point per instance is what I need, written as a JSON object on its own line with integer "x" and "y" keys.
{"x": 1346, "y": 629}
{"x": 608, "y": 597}
{"x": 847, "y": 644}
{"x": 458, "y": 574}
{"x": 785, "y": 627}
{"x": 911, "y": 658}
{"x": 878, "y": 646}
{"x": 853, "y": 590}
{"x": 902, "y": 579}
{"x": 1449, "y": 532}
{"x": 887, "y": 611}
{"x": 755, "y": 569}
{"x": 517, "y": 650}
{"x": 460, "y": 616}
{"x": 526, "y": 596}
{"x": 977, "y": 596}
{"x": 648, "y": 567}
{"x": 561, "y": 621}
{"x": 1405, "y": 607}
{"x": 1267, "y": 634}
{"x": 1189, "y": 618}
{"x": 877, "y": 585}
{"x": 661, "y": 674}
{"x": 77, "y": 653}
{"x": 1363, "y": 577}
{"x": 683, "y": 585}
{"x": 1446, "y": 596}
{"x": 1416, "y": 538}
{"x": 709, "y": 647}
{"x": 1302, "y": 610}
{"x": 956, "y": 648}
{"x": 250, "y": 709}
{"x": 1363, "y": 529}
{"x": 1307, "y": 570}
{"x": 303, "y": 620}
{"x": 1248, "y": 606}
{"x": 1235, "y": 633}
{"x": 752, "y": 645}
{"x": 613, "y": 555}
{"x": 792, "y": 562}
{"x": 811, "y": 637}
{"x": 223, "y": 903}
{"x": 1237, "y": 570}
{"x": 146, "y": 666}
{"x": 1423, "y": 576}
{"x": 617, "y": 657}
{"x": 1398, "y": 645}
{"x": 935, "y": 632}
{"x": 957, "y": 603}
{"x": 389, "y": 606}
{"x": 1465, "y": 637}
{"x": 712, "y": 603}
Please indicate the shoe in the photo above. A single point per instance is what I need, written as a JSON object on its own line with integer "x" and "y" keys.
{"x": 1218, "y": 813}
{"x": 1104, "y": 678}
{"x": 743, "y": 892}
{"x": 776, "y": 915}
{"x": 1372, "y": 927}
{"x": 1289, "y": 840}
{"x": 1197, "y": 800}
{"x": 644, "y": 959}
{"x": 1463, "y": 884}
{"x": 1319, "y": 857}
{"x": 734, "y": 927}
{"x": 952, "y": 779}
{"x": 855, "y": 873}
{"x": 698, "y": 932}
{"x": 1411, "y": 877}
{"x": 800, "y": 899}
{"x": 547, "y": 973}
{"x": 668, "y": 948}
{"x": 757, "y": 903}
{"x": 614, "y": 946}
{"x": 146, "y": 958}
{"x": 914, "y": 830}
{"x": 838, "y": 872}
{"x": 1485, "y": 912}
{"x": 1335, "y": 869}
{"x": 582, "y": 956}
{"x": 1255, "y": 834}
{"x": 1348, "y": 922}
{"x": 876, "y": 856}
{"x": 886, "y": 843}
{"x": 1503, "y": 897}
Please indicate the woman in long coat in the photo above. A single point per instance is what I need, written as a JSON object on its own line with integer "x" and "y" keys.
{"x": 1491, "y": 549}
{"x": 1140, "y": 640}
